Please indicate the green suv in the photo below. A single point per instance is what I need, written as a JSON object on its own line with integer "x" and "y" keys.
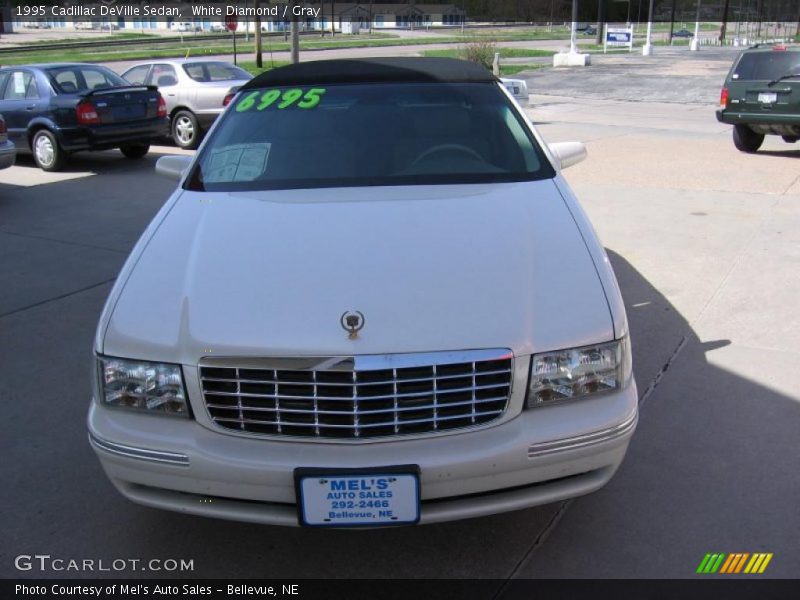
{"x": 762, "y": 96}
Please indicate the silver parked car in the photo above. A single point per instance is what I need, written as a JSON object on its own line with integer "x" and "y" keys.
{"x": 195, "y": 91}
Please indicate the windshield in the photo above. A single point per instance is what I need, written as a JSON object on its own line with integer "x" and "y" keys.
{"x": 215, "y": 71}
{"x": 377, "y": 134}
{"x": 766, "y": 66}
{"x": 79, "y": 78}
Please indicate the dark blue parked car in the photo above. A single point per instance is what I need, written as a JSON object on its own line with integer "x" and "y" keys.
{"x": 55, "y": 109}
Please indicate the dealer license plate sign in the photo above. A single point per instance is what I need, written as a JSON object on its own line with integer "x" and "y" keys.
{"x": 362, "y": 499}
{"x": 767, "y": 98}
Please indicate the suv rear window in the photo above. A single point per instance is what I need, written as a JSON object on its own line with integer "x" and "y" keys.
{"x": 369, "y": 134}
{"x": 766, "y": 66}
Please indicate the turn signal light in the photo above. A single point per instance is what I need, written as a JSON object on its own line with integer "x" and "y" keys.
{"x": 87, "y": 113}
{"x": 723, "y": 98}
{"x": 162, "y": 107}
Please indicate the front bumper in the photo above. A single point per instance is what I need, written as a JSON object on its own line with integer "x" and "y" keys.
{"x": 541, "y": 456}
{"x": 8, "y": 155}
{"x": 105, "y": 137}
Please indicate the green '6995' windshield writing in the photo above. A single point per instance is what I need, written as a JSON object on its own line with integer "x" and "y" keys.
{"x": 261, "y": 100}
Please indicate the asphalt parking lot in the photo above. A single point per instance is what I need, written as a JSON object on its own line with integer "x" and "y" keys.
{"x": 705, "y": 244}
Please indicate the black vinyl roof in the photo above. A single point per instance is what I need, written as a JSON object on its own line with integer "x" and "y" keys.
{"x": 374, "y": 70}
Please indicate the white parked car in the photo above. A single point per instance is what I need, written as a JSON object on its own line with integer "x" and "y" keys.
{"x": 373, "y": 300}
{"x": 184, "y": 26}
{"x": 195, "y": 91}
{"x": 517, "y": 88}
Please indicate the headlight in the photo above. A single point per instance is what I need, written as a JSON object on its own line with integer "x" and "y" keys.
{"x": 579, "y": 372}
{"x": 146, "y": 386}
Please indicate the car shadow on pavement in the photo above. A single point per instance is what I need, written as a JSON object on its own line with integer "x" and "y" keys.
{"x": 712, "y": 467}
{"x": 101, "y": 162}
{"x": 7, "y": 188}
{"x": 712, "y": 451}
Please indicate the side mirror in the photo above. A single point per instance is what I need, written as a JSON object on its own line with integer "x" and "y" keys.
{"x": 173, "y": 167}
{"x": 568, "y": 153}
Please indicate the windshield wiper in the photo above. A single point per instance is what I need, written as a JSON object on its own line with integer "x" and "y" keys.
{"x": 782, "y": 77}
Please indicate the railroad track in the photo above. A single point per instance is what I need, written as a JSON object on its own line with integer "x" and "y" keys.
{"x": 189, "y": 37}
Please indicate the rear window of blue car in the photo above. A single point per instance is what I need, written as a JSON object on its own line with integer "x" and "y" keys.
{"x": 79, "y": 78}
{"x": 369, "y": 134}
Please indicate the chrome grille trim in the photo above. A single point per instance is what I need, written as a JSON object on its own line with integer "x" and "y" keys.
{"x": 147, "y": 454}
{"x": 588, "y": 439}
{"x": 367, "y": 396}
{"x": 360, "y": 383}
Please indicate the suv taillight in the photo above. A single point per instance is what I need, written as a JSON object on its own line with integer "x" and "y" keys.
{"x": 87, "y": 113}
{"x": 723, "y": 98}
{"x": 2, "y": 126}
{"x": 162, "y": 107}
{"x": 227, "y": 99}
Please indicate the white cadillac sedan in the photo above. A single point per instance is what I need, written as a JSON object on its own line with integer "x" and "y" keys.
{"x": 372, "y": 300}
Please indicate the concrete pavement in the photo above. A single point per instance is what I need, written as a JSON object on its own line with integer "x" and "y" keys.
{"x": 704, "y": 242}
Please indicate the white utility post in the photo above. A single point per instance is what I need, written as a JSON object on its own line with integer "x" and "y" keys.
{"x": 695, "y": 45}
{"x": 573, "y": 48}
{"x": 647, "y": 49}
{"x": 573, "y": 58}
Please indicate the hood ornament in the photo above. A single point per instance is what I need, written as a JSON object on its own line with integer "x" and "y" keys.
{"x": 352, "y": 322}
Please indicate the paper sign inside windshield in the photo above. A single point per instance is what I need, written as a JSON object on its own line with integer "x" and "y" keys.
{"x": 242, "y": 162}
{"x": 19, "y": 83}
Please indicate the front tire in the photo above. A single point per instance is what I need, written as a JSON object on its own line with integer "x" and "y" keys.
{"x": 790, "y": 139}
{"x": 186, "y": 130}
{"x": 135, "y": 151}
{"x": 747, "y": 140}
{"x": 47, "y": 154}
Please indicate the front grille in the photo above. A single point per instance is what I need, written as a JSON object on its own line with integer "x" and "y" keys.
{"x": 358, "y": 397}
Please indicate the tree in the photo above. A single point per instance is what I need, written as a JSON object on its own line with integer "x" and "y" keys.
{"x": 724, "y": 21}
{"x": 600, "y": 20}
{"x": 259, "y": 63}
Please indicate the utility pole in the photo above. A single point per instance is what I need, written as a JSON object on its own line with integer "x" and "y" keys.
{"x": 295, "y": 33}
{"x": 259, "y": 62}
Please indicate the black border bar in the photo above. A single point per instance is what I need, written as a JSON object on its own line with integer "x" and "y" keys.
{"x": 705, "y": 588}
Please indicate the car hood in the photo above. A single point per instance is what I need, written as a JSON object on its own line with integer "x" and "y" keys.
{"x": 430, "y": 267}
